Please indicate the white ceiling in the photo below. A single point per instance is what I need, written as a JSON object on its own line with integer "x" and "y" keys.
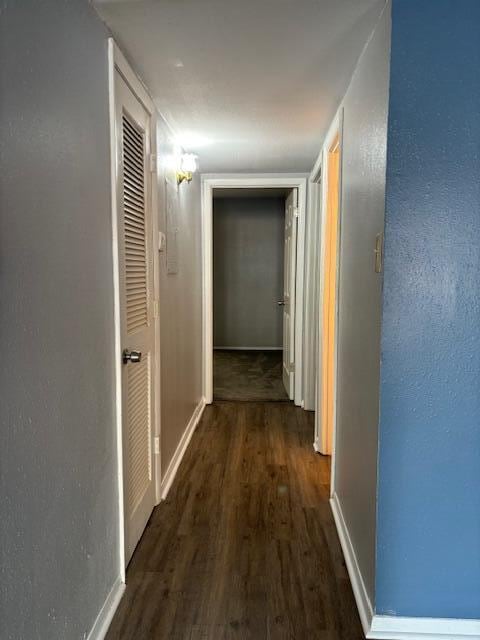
{"x": 248, "y": 85}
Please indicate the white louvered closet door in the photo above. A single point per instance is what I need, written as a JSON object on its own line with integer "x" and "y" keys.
{"x": 137, "y": 313}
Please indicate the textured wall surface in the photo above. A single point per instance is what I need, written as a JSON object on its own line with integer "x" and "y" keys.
{"x": 58, "y": 521}
{"x": 363, "y": 208}
{"x": 180, "y": 309}
{"x": 263, "y": 105}
{"x": 428, "y": 559}
{"x": 248, "y": 235}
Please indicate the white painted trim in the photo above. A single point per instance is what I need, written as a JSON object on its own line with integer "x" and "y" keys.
{"x": 155, "y": 177}
{"x": 207, "y": 290}
{"x": 172, "y": 469}
{"x": 105, "y": 616}
{"x": 300, "y": 294}
{"x": 117, "y": 309}
{"x": 312, "y": 286}
{"x": 255, "y": 180}
{"x": 248, "y": 348}
{"x": 339, "y": 127}
{"x": 127, "y": 73}
{"x": 321, "y": 294}
{"x": 399, "y": 628}
{"x": 359, "y": 590}
{"x": 118, "y": 62}
{"x": 240, "y": 181}
{"x": 377, "y": 627}
{"x": 316, "y": 172}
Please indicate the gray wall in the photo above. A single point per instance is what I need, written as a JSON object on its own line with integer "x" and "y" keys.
{"x": 58, "y": 521}
{"x": 363, "y": 210}
{"x": 180, "y": 310}
{"x": 58, "y": 472}
{"x": 248, "y": 236}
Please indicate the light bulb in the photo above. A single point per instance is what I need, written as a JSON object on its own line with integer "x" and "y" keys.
{"x": 189, "y": 163}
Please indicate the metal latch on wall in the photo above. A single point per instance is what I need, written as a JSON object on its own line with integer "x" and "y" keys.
{"x": 153, "y": 163}
{"x": 378, "y": 253}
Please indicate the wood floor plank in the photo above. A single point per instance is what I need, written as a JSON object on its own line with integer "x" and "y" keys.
{"x": 245, "y": 546}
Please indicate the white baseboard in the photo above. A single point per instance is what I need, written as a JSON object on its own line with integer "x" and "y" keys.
{"x": 104, "y": 618}
{"x": 363, "y": 601}
{"x": 316, "y": 447}
{"x": 248, "y": 348}
{"x": 398, "y": 628}
{"x": 378, "y": 627}
{"x": 172, "y": 469}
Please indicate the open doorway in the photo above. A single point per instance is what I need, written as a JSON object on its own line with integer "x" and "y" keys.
{"x": 328, "y": 302}
{"x": 330, "y": 294}
{"x": 254, "y": 264}
{"x": 285, "y": 302}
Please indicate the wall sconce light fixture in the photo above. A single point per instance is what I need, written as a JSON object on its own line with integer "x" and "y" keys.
{"x": 188, "y": 166}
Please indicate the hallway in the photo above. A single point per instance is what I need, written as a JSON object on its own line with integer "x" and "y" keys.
{"x": 239, "y": 238}
{"x": 245, "y": 546}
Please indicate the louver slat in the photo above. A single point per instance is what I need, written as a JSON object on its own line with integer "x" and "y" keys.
{"x": 134, "y": 227}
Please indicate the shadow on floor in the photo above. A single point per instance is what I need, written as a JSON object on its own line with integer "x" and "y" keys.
{"x": 248, "y": 376}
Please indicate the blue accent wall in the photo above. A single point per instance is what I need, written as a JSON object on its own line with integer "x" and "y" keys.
{"x": 428, "y": 535}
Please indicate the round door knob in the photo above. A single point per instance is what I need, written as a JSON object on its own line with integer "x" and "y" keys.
{"x": 281, "y": 303}
{"x": 131, "y": 356}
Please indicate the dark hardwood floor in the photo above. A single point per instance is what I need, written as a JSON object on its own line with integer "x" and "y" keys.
{"x": 245, "y": 545}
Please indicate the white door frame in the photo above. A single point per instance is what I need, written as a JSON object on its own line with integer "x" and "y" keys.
{"x": 336, "y": 128}
{"x": 312, "y": 285}
{"x": 239, "y": 181}
{"x": 117, "y": 62}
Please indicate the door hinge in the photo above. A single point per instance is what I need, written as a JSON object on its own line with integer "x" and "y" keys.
{"x": 156, "y": 445}
{"x": 162, "y": 241}
{"x": 296, "y": 212}
{"x": 155, "y": 308}
{"x": 153, "y": 163}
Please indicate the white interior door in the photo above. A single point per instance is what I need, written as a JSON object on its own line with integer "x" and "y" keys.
{"x": 137, "y": 312}
{"x": 289, "y": 279}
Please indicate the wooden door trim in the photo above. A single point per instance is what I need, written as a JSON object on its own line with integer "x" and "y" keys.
{"x": 118, "y": 63}
{"x": 215, "y": 181}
